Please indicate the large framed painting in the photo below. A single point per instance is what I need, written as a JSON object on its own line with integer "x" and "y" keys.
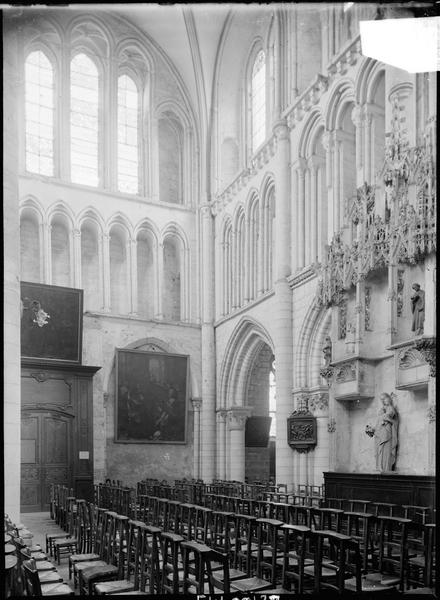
{"x": 151, "y": 397}
{"x": 51, "y": 323}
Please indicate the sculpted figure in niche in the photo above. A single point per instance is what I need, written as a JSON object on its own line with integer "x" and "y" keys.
{"x": 385, "y": 434}
{"x": 418, "y": 309}
{"x": 327, "y": 351}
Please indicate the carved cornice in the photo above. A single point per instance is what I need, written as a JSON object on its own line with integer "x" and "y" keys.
{"x": 427, "y": 348}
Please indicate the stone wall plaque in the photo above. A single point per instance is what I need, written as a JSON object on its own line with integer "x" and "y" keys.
{"x": 302, "y": 432}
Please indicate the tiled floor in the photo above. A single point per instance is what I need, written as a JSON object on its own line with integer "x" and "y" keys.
{"x": 40, "y": 523}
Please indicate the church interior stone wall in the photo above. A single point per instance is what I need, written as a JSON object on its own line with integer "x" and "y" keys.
{"x": 284, "y": 207}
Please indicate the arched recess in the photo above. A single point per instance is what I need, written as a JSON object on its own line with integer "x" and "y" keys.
{"x": 248, "y": 355}
{"x": 226, "y": 266}
{"x": 119, "y": 269}
{"x": 61, "y": 248}
{"x": 172, "y": 275}
{"x": 31, "y": 244}
{"x": 91, "y": 262}
{"x": 267, "y": 218}
{"x": 253, "y": 244}
{"x": 171, "y": 156}
{"x": 310, "y": 385}
{"x": 146, "y": 248}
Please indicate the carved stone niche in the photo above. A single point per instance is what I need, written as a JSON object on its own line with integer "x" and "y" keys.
{"x": 411, "y": 369}
{"x": 353, "y": 379}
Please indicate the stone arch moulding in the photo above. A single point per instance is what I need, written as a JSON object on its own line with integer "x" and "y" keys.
{"x": 366, "y": 80}
{"x": 244, "y": 342}
{"x": 340, "y": 95}
{"x": 161, "y": 346}
{"x": 315, "y": 325}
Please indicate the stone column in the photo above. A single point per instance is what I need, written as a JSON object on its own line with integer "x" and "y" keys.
{"x": 260, "y": 250}
{"x": 392, "y": 306}
{"x": 328, "y": 143}
{"x": 11, "y": 283}
{"x": 247, "y": 258}
{"x": 337, "y": 180}
{"x": 430, "y": 295}
{"x": 132, "y": 246}
{"x": 283, "y": 299}
{"x": 47, "y": 254}
{"x": 159, "y": 282}
{"x": 106, "y": 270}
{"x": 300, "y": 225}
{"x": 196, "y": 403}
{"x": 431, "y": 425}
{"x": 236, "y": 426}
{"x": 208, "y": 346}
{"x": 77, "y": 258}
{"x": 357, "y": 118}
{"x": 221, "y": 444}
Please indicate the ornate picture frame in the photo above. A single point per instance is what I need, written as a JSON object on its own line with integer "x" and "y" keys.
{"x": 51, "y": 323}
{"x": 151, "y": 397}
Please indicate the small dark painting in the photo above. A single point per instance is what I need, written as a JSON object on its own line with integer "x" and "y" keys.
{"x": 51, "y": 322}
{"x": 151, "y": 397}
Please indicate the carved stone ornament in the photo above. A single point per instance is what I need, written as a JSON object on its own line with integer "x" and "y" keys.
{"x": 327, "y": 373}
{"x": 431, "y": 413}
{"x": 345, "y": 372}
{"x": 196, "y": 403}
{"x": 302, "y": 431}
{"x": 331, "y": 425}
{"x": 405, "y": 234}
{"x": 426, "y": 346}
{"x": 318, "y": 401}
{"x": 409, "y": 358}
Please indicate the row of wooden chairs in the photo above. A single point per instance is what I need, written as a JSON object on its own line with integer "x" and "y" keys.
{"x": 29, "y": 572}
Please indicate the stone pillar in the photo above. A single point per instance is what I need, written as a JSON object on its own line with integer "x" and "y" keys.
{"x": 47, "y": 254}
{"x": 430, "y": 295}
{"x": 328, "y": 143}
{"x": 208, "y": 346}
{"x": 77, "y": 258}
{"x": 221, "y": 444}
{"x": 159, "y": 282}
{"x": 247, "y": 258}
{"x": 11, "y": 283}
{"x": 300, "y": 225}
{"x": 283, "y": 299}
{"x": 132, "y": 247}
{"x": 236, "y": 425}
{"x": 392, "y": 306}
{"x": 337, "y": 180}
{"x": 431, "y": 426}
{"x": 357, "y": 118}
{"x": 260, "y": 250}
{"x": 106, "y": 270}
{"x": 196, "y": 403}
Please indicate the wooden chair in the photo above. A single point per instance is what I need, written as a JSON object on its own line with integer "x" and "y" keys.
{"x": 270, "y": 548}
{"x": 34, "y": 587}
{"x": 393, "y": 550}
{"x": 115, "y": 568}
{"x": 71, "y": 543}
{"x": 421, "y": 560}
{"x": 94, "y": 519}
{"x": 170, "y": 543}
{"x": 193, "y": 567}
{"x": 136, "y": 533}
{"x": 358, "y": 525}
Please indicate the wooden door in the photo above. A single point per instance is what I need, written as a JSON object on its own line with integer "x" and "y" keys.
{"x": 46, "y": 441}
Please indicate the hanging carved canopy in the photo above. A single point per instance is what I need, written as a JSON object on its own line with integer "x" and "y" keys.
{"x": 404, "y": 233}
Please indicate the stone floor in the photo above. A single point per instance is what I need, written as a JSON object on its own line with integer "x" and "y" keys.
{"x": 40, "y": 523}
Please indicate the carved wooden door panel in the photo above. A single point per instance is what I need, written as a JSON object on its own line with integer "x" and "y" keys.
{"x": 46, "y": 439}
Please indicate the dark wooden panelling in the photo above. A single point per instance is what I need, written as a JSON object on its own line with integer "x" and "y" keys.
{"x": 57, "y": 431}
{"x": 417, "y": 490}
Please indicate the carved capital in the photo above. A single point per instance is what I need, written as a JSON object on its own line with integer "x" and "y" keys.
{"x": 281, "y": 130}
{"x": 196, "y": 403}
{"x": 221, "y": 416}
{"x": 427, "y": 346}
{"x": 327, "y": 373}
{"x": 237, "y": 417}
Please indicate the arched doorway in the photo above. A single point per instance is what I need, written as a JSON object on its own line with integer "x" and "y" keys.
{"x": 243, "y": 405}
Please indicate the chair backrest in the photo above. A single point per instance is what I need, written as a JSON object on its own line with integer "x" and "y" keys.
{"x": 218, "y": 579}
{"x": 30, "y": 577}
{"x": 345, "y": 555}
{"x": 296, "y": 545}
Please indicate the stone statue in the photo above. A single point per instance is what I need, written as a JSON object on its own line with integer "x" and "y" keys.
{"x": 418, "y": 309}
{"x": 327, "y": 350}
{"x": 385, "y": 434}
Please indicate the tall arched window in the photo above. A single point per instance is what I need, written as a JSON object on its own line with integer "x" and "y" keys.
{"x": 39, "y": 113}
{"x": 258, "y": 100}
{"x": 84, "y": 104}
{"x": 128, "y": 124}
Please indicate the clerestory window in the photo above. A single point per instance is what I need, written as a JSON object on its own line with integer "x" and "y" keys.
{"x": 258, "y": 100}
{"x": 128, "y": 125}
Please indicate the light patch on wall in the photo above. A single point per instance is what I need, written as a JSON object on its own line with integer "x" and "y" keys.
{"x": 409, "y": 44}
